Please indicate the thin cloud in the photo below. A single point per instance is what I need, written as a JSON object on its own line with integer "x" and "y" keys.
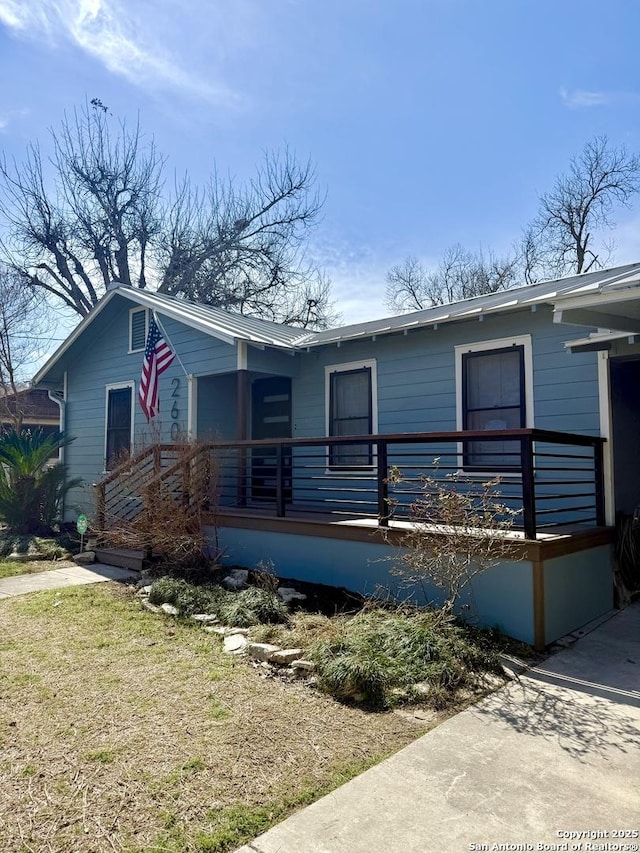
{"x": 586, "y": 99}
{"x": 358, "y": 278}
{"x": 9, "y": 117}
{"x": 104, "y": 30}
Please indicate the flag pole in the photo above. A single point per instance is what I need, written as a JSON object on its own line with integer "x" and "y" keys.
{"x": 169, "y": 341}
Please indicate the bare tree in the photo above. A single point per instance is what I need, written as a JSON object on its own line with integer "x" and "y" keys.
{"x": 22, "y": 324}
{"x": 566, "y": 236}
{"x": 461, "y": 274}
{"x": 104, "y": 216}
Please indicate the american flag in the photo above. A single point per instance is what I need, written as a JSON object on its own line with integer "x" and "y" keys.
{"x": 158, "y": 355}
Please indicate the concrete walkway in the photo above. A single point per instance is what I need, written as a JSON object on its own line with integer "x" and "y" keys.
{"x": 554, "y": 754}
{"x": 70, "y": 575}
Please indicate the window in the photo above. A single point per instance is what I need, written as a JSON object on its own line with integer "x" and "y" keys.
{"x": 351, "y": 410}
{"x": 494, "y": 393}
{"x": 138, "y": 328}
{"x": 119, "y": 424}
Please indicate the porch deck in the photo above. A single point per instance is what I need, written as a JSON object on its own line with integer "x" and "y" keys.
{"x": 328, "y": 509}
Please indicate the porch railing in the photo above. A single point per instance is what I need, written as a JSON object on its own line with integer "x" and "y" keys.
{"x": 174, "y": 473}
{"x": 553, "y": 479}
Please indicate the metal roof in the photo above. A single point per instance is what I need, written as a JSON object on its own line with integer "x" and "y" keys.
{"x": 599, "y": 341}
{"x": 231, "y": 327}
{"x": 226, "y": 325}
{"x": 505, "y": 300}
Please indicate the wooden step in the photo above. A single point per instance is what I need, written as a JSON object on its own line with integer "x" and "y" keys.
{"x": 123, "y": 557}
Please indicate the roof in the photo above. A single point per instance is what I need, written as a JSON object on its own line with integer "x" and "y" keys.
{"x": 224, "y": 325}
{"x": 231, "y": 327}
{"x": 493, "y": 303}
{"x": 32, "y": 403}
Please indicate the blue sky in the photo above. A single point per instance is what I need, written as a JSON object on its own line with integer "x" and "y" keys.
{"x": 429, "y": 122}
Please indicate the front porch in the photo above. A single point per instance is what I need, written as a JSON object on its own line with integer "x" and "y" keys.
{"x": 326, "y": 510}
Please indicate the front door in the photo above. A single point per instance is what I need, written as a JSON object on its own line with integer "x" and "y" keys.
{"x": 270, "y": 418}
{"x": 625, "y": 428}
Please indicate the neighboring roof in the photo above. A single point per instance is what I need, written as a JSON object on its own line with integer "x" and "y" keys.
{"x": 493, "y": 303}
{"x": 33, "y": 403}
{"x": 231, "y": 327}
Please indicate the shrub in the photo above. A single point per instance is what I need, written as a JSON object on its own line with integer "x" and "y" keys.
{"x": 380, "y": 655}
{"x": 187, "y": 597}
{"x": 31, "y": 490}
{"x": 459, "y": 529}
{"x": 253, "y": 606}
{"x": 50, "y": 549}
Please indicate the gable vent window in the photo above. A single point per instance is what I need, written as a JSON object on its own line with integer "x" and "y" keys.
{"x": 138, "y": 324}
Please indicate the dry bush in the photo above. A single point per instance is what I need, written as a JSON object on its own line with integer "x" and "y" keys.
{"x": 459, "y": 529}
{"x": 164, "y": 513}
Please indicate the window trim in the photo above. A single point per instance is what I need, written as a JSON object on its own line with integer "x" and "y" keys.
{"x": 117, "y": 386}
{"x": 133, "y": 311}
{"x": 487, "y": 347}
{"x": 349, "y": 367}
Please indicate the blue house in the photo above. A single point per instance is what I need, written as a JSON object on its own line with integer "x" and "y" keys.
{"x": 539, "y": 385}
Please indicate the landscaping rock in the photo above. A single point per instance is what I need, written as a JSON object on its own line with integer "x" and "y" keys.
{"x": 236, "y": 579}
{"x": 235, "y": 644}
{"x": 205, "y": 618}
{"x": 285, "y": 656}
{"x": 169, "y": 609}
{"x": 303, "y": 666}
{"x": 84, "y": 558}
{"x": 225, "y": 631}
{"x": 151, "y": 607}
{"x": 289, "y": 594}
{"x": 143, "y": 590}
{"x": 262, "y": 651}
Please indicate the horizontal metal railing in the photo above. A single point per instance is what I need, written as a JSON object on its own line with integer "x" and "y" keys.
{"x": 551, "y": 479}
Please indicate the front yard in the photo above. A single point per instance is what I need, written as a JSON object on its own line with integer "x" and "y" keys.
{"x": 122, "y": 731}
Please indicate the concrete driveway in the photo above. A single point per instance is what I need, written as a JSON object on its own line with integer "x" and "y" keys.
{"x": 551, "y": 762}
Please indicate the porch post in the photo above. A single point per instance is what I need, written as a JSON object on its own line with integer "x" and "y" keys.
{"x": 384, "y": 510}
{"x": 192, "y": 407}
{"x": 528, "y": 487}
{"x": 242, "y": 418}
{"x": 242, "y": 407}
{"x": 598, "y": 476}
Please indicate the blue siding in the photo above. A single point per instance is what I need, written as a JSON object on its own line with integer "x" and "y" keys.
{"x": 416, "y": 376}
{"x": 415, "y": 380}
{"x": 577, "y": 588}
{"x": 100, "y": 358}
{"x": 272, "y": 362}
{"x": 502, "y": 596}
{"x": 217, "y": 397}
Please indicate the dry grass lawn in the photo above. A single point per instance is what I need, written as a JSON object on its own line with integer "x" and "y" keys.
{"x": 122, "y": 731}
{"x": 11, "y": 568}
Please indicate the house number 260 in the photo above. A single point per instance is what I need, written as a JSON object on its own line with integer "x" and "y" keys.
{"x": 175, "y": 411}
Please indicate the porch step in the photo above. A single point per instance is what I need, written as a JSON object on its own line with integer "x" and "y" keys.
{"x": 123, "y": 557}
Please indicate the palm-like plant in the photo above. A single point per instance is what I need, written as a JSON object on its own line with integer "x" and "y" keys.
{"x": 31, "y": 490}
